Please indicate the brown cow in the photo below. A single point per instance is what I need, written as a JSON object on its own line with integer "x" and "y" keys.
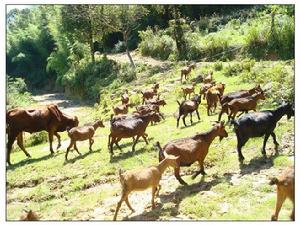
{"x": 48, "y": 118}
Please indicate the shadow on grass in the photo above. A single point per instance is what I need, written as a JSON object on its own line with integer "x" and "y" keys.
{"x": 177, "y": 196}
{"x": 125, "y": 155}
{"x": 191, "y": 125}
{"x": 257, "y": 164}
{"x": 29, "y": 161}
{"x": 82, "y": 156}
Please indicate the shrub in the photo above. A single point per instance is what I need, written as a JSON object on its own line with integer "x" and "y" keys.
{"x": 17, "y": 95}
{"x": 159, "y": 45}
{"x": 127, "y": 73}
{"x": 280, "y": 81}
{"x": 218, "y": 66}
{"x": 36, "y": 138}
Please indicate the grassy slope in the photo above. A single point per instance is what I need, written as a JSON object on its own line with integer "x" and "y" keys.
{"x": 59, "y": 190}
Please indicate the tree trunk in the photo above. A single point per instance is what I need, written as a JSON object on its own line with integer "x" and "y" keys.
{"x": 91, "y": 42}
{"x": 127, "y": 50}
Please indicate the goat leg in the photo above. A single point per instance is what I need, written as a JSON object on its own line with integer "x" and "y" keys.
{"x": 198, "y": 115}
{"x": 136, "y": 140}
{"x": 263, "y": 151}
{"x": 279, "y": 201}
{"x": 91, "y": 143}
{"x": 178, "y": 118}
{"x": 183, "y": 119}
{"x": 178, "y": 177}
{"x": 191, "y": 118}
{"x": 128, "y": 204}
{"x": 153, "y": 196}
{"x": 275, "y": 142}
{"x": 75, "y": 146}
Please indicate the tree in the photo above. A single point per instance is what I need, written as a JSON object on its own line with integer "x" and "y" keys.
{"x": 128, "y": 17}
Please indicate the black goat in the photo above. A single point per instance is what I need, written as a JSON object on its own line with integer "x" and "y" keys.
{"x": 257, "y": 124}
{"x": 188, "y": 107}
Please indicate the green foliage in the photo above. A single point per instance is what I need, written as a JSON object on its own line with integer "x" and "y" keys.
{"x": 36, "y": 139}
{"x": 127, "y": 73}
{"x": 233, "y": 69}
{"x": 17, "y": 93}
{"x": 218, "y": 66}
{"x": 157, "y": 45}
{"x": 280, "y": 81}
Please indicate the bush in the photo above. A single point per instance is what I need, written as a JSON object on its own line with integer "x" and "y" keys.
{"x": 218, "y": 66}
{"x": 119, "y": 47}
{"x": 36, "y": 138}
{"x": 280, "y": 81}
{"x": 127, "y": 73}
{"x": 17, "y": 95}
{"x": 159, "y": 45}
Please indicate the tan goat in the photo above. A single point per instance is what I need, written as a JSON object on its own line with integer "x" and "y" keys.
{"x": 208, "y": 78}
{"x": 142, "y": 179}
{"x": 285, "y": 189}
{"x": 188, "y": 89}
{"x": 81, "y": 134}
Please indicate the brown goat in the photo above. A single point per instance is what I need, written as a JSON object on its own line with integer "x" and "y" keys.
{"x": 188, "y": 89}
{"x": 125, "y": 97}
{"x": 192, "y": 149}
{"x": 240, "y": 94}
{"x": 285, "y": 189}
{"x": 81, "y": 134}
{"x": 244, "y": 104}
{"x": 121, "y": 109}
{"x": 208, "y": 78}
{"x": 142, "y": 179}
{"x": 188, "y": 107}
{"x": 204, "y": 88}
{"x": 186, "y": 71}
{"x": 29, "y": 216}
{"x": 212, "y": 98}
{"x": 130, "y": 127}
{"x": 149, "y": 93}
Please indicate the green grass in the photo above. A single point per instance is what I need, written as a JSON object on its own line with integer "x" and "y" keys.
{"x": 71, "y": 191}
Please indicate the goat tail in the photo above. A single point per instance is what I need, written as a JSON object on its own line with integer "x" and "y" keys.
{"x": 178, "y": 102}
{"x": 161, "y": 154}
{"x": 273, "y": 181}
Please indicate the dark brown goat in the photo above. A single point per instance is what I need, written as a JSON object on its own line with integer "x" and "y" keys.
{"x": 240, "y": 94}
{"x": 285, "y": 189}
{"x": 125, "y": 97}
{"x": 188, "y": 89}
{"x": 81, "y": 134}
{"x": 244, "y": 104}
{"x": 149, "y": 93}
{"x": 130, "y": 127}
{"x": 48, "y": 118}
{"x": 192, "y": 149}
{"x": 188, "y": 107}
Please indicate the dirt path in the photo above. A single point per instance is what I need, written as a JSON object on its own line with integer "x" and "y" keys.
{"x": 137, "y": 58}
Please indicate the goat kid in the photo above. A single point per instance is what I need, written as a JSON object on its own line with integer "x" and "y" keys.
{"x": 142, "y": 179}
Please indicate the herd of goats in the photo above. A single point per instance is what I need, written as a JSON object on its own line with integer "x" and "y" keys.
{"x": 176, "y": 153}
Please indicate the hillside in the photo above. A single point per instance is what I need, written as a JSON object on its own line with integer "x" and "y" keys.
{"x": 87, "y": 187}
